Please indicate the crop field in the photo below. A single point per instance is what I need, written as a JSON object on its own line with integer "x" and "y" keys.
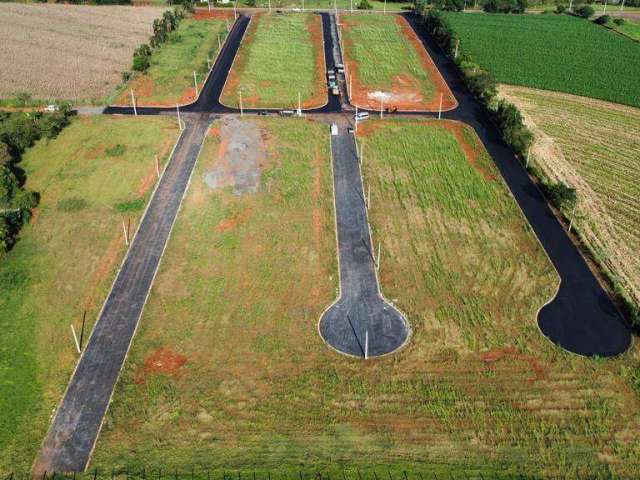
{"x": 553, "y": 52}
{"x": 389, "y": 67}
{"x": 96, "y": 173}
{"x": 228, "y": 368}
{"x": 169, "y": 79}
{"x": 592, "y": 146}
{"x": 281, "y": 56}
{"x": 78, "y": 53}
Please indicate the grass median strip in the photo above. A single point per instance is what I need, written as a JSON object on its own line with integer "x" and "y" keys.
{"x": 280, "y": 57}
{"x": 65, "y": 260}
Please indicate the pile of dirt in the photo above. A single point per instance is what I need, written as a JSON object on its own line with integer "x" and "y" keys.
{"x": 162, "y": 361}
{"x": 240, "y": 157}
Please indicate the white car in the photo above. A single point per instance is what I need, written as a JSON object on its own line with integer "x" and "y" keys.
{"x": 360, "y": 116}
{"x": 51, "y": 108}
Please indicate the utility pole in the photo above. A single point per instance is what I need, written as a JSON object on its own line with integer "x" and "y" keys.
{"x": 622, "y": 6}
{"x": 299, "y": 106}
{"x": 604, "y": 11}
{"x": 133, "y": 102}
{"x": 179, "y": 121}
{"x": 381, "y": 106}
{"x": 209, "y": 4}
{"x": 75, "y": 338}
{"x": 455, "y": 54}
{"x": 351, "y": 8}
{"x": 368, "y": 196}
{"x": 241, "y": 112}
{"x": 219, "y": 44}
{"x": 126, "y": 234}
{"x": 157, "y": 167}
{"x": 208, "y": 63}
{"x": 195, "y": 82}
{"x": 385, "y": 7}
{"x": 570, "y": 5}
{"x": 366, "y": 344}
{"x": 235, "y": 12}
{"x": 303, "y": 5}
{"x": 573, "y": 214}
{"x": 440, "y": 109}
{"x": 335, "y": 6}
{"x": 528, "y": 152}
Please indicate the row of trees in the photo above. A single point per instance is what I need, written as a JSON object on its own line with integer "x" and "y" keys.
{"x": 162, "y": 28}
{"x": 19, "y": 131}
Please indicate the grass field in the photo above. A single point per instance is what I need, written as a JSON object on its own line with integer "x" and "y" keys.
{"x": 553, "y": 52}
{"x": 228, "y": 369}
{"x": 280, "y": 56}
{"x": 69, "y": 52}
{"x": 592, "y": 146}
{"x": 330, "y": 4}
{"x": 629, "y": 28}
{"x": 388, "y": 64}
{"x": 98, "y": 171}
{"x": 169, "y": 79}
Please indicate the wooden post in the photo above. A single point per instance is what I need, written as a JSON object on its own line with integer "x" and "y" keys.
{"x": 126, "y": 236}
{"x": 157, "y": 167}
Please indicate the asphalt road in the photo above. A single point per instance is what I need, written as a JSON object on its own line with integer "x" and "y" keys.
{"x": 75, "y": 428}
{"x": 360, "y": 314}
{"x": 581, "y": 318}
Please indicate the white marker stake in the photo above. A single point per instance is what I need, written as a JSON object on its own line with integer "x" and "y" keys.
{"x": 209, "y": 4}
{"x": 219, "y": 45}
{"x": 366, "y": 344}
{"x": 208, "y": 63}
{"x": 368, "y": 197}
{"x": 573, "y": 214}
{"x": 440, "y": 109}
{"x": 133, "y": 102}
{"x": 235, "y": 13}
{"x": 126, "y": 234}
{"x": 378, "y": 261}
{"x": 385, "y": 7}
{"x": 75, "y": 338}
{"x": 241, "y": 112}
{"x": 157, "y": 167}
{"x": 455, "y": 54}
{"x": 381, "y": 107}
{"x": 299, "y": 106}
{"x": 362, "y": 152}
{"x": 179, "y": 121}
{"x": 528, "y": 152}
{"x": 195, "y": 83}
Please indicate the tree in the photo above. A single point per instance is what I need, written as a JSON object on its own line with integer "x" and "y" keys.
{"x": 141, "y": 60}
{"x": 585, "y": 11}
{"x": 561, "y": 195}
{"x": 449, "y": 5}
{"x": 364, "y": 5}
{"x": 602, "y": 20}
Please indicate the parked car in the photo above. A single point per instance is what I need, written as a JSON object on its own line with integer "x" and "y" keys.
{"x": 340, "y": 68}
{"x": 360, "y": 116}
{"x": 263, "y": 112}
{"x": 287, "y": 113}
{"x": 51, "y": 108}
{"x": 334, "y": 129}
{"x": 335, "y": 90}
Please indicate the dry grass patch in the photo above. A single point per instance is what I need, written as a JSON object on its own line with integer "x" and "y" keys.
{"x": 69, "y": 52}
{"x": 592, "y": 146}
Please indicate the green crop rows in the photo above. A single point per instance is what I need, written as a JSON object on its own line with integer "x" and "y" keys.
{"x": 553, "y": 52}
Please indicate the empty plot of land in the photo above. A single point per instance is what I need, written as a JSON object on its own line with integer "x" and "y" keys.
{"x": 98, "y": 172}
{"x": 592, "y": 146}
{"x": 281, "y": 56}
{"x": 69, "y": 51}
{"x": 389, "y": 67}
{"x": 169, "y": 80}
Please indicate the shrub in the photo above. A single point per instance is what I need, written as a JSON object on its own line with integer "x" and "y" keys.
{"x": 130, "y": 206}
{"x": 364, "y": 5}
{"x": 619, "y": 21}
{"x": 561, "y": 8}
{"x": 602, "y": 20}
{"x": 512, "y": 128}
{"x": 115, "y": 151}
{"x": 141, "y": 59}
{"x": 450, "y": 5}
{"x": 585, "y": 11}
{"x": 505, "y": 6}
{"x": 561, "y": 195}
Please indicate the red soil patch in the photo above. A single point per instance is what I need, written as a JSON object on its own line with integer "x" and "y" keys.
{"x": 162, "y": 361}
{"x": 512, "y": 354}
{"x": 319, "y": 97}
{"x": 405, "y": 91}
{"x": 202, "y": 14}
{"x": 233, "y": 221}
{"x": 35, "y": 213}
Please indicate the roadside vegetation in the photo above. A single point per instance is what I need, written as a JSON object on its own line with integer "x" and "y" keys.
{"x": 593, "y": 147}
{"x": 166, "y": 71}
{"x": 391, "y": 5}
{"x": 67, "y": 52}
{"x": 388, "y": 65}
{"x": 65, "y": 260}
{"x": 280, "y": 57}
{"x": 626, "y": 27}
{"x": 588, "y": 60}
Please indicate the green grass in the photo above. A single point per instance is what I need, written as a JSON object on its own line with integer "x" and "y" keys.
{"x": 169, "y": 79}
{"x": 630, "y": 28}
{"x": 598, "y": 155}
{"x": 553, "y": 52}
{"x": 259, "y": 390}
{"x": 329, "y": 4}
{"x": 64, "y": 262}
{"x": 381, "y": 53}
{"x": 277, "y": 60}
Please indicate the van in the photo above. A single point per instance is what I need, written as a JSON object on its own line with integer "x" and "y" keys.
{"x": 360, "y": 116}
{"x": 334, "y": 129}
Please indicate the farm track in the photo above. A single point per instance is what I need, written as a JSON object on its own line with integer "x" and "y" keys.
{"x": 581, "y": 318}
{"x": 78, "y": 419}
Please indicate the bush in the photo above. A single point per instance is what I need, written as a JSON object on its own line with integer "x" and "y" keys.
{"x": 141, "y": 58}
{"x": 585, "y": 11}
{"x": 602, "y": 20}
{"x": 450, "y": 5}
{"x": 511, "y": 126}
{"x": 561, "y": 8}
{"x": 619, "y": 21}
{"x": 365, "y": 5}
{"x": 561, "y": 195}
{"x": 505, "y": 6}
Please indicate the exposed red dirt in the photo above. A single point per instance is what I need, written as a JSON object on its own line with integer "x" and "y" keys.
{"x": 205, "y": 14}
{"x": 233, "y": 221}
{"x": 405, "y": 93}
{"x": 162, "y": 361}
{"x": 512, "y": 354}
{"x": 319, "y": 97}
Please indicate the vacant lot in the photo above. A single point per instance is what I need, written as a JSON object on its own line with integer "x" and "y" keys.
{"x": 69, "y": 52}
{"x": 228, "y": 369}
{"x": 281, "y": 56}
{"x": 592, "y": 146}
{"x": 98, "y": 172}
{"x": 553, "y": 52}
{"x": 329, "y": 4}
{"x": 389, "y": 66}
{"x": 169, "y": 79}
